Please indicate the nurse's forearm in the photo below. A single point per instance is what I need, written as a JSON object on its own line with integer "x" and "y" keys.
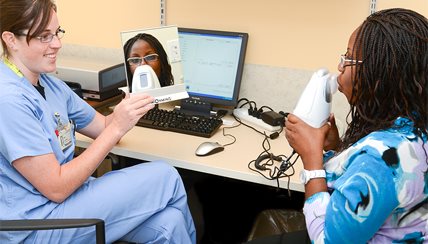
{"x": 108, "y": 120}
{"x": 57, "y": 182}
{"x": 77, "y": 171}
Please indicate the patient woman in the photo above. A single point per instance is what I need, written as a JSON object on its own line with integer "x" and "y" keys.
{"x": 146, "y": 49}
{"x": 376, "y": 184}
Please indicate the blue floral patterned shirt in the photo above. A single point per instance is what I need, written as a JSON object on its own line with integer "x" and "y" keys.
{"x": 378, "y": 191}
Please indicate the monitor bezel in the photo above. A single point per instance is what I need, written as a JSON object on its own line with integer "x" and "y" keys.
{"x": 239, "y": 72}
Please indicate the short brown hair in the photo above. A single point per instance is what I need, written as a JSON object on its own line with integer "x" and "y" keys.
{"x": 16, "y": 16}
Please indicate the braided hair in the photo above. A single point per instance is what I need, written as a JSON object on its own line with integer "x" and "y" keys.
{"x": 392, "y": 79}
{"x": 166, "y": 78}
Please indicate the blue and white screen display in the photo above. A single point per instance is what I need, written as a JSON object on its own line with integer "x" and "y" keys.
{"x": 210, "y": 64}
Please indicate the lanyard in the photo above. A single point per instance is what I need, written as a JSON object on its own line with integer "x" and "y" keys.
{"x": 13, "y": 67}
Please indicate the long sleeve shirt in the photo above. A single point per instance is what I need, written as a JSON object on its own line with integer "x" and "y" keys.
{"x": 378, "y": 191}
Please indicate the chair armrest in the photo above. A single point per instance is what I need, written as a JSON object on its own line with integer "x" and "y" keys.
{"x": 49, "y": 224}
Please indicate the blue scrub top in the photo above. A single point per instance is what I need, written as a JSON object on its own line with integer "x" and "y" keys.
{"x": 27, "y": 128}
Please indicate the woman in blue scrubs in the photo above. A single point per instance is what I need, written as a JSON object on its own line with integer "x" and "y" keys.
{"x": 40, "y": 178}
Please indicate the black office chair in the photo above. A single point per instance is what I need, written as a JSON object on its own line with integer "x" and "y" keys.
{"x": 50, "y": 224}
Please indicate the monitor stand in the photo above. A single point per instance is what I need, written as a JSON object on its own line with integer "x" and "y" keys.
{"x": 196, "y": 107}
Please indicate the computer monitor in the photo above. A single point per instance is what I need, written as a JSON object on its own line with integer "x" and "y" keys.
{"x": 212, "y": 63}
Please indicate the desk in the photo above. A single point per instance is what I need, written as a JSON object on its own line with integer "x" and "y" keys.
{"x": 179, "y": 150}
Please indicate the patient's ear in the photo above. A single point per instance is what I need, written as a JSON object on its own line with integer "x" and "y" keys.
{"x": 10, "y": 39}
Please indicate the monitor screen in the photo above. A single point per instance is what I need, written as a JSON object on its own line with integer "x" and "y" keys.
{"x": 212, "y": 63}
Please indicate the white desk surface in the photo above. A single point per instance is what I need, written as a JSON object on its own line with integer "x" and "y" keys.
{"x": 179, "y": 150}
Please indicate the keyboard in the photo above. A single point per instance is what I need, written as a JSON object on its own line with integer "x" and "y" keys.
{"x": 179, "y": 122}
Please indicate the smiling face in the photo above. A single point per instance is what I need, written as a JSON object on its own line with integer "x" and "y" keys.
{"x": 35, "y": 57}
{"x": 347, "y": 70}
{"x": 140, "y": 49}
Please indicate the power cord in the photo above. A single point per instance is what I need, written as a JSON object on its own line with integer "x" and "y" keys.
{"x": 273, "y": 118}
{"x": 274, "y": 135}
{"x": 250, "y": 103}
{"x": 265, "y": 165}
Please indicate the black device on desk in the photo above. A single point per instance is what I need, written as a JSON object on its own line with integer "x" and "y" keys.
{"x": 212, "y": 63}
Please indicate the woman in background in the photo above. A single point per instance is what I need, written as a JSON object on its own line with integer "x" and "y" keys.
{"x": 146, "y": 49}
{"x": 39, "y": 176}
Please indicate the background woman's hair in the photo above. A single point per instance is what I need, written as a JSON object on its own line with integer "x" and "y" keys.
{"x": 166, "y": 78}
{"x": 25, "y": 17}
{"x": 392, "y": 79}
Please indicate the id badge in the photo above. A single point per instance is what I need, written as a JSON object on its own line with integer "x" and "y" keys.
{"x": 64, "y": 136}
{"x": 63, "y": 133}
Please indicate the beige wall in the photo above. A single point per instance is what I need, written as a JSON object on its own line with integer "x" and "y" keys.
{"x": 285, "y": 33}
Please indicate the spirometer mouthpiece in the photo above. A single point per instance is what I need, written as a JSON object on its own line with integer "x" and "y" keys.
{"x": 144, "y": 78}
{"x": 314, "y": 104}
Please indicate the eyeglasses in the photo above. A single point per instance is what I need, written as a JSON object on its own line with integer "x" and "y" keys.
{"x": 344, "y": 60}
{"x": 48, "y": 37}
{"x": 147, "y": 59}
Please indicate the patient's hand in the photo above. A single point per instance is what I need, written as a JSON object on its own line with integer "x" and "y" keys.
{"x": 332, "y": 138}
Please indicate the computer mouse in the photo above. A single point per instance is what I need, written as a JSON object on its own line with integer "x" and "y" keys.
{"x": 208, "y": 148}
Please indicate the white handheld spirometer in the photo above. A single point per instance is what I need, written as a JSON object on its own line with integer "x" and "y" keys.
{"x": 144, "y": 78}
{"x": 314, "y": 104}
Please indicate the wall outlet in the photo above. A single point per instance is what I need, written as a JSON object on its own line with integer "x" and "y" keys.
{"x": 174, "y": 51}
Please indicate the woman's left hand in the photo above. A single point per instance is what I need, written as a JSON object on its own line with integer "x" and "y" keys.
{"x": 127, "y": 113}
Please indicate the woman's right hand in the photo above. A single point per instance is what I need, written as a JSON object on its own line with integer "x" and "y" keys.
{"x": 127, "y": 113}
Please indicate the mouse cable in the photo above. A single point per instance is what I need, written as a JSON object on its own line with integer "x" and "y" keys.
{"x": 230, "y": 135}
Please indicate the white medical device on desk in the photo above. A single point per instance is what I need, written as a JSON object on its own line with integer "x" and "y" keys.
{"x": 314, "y": 105}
